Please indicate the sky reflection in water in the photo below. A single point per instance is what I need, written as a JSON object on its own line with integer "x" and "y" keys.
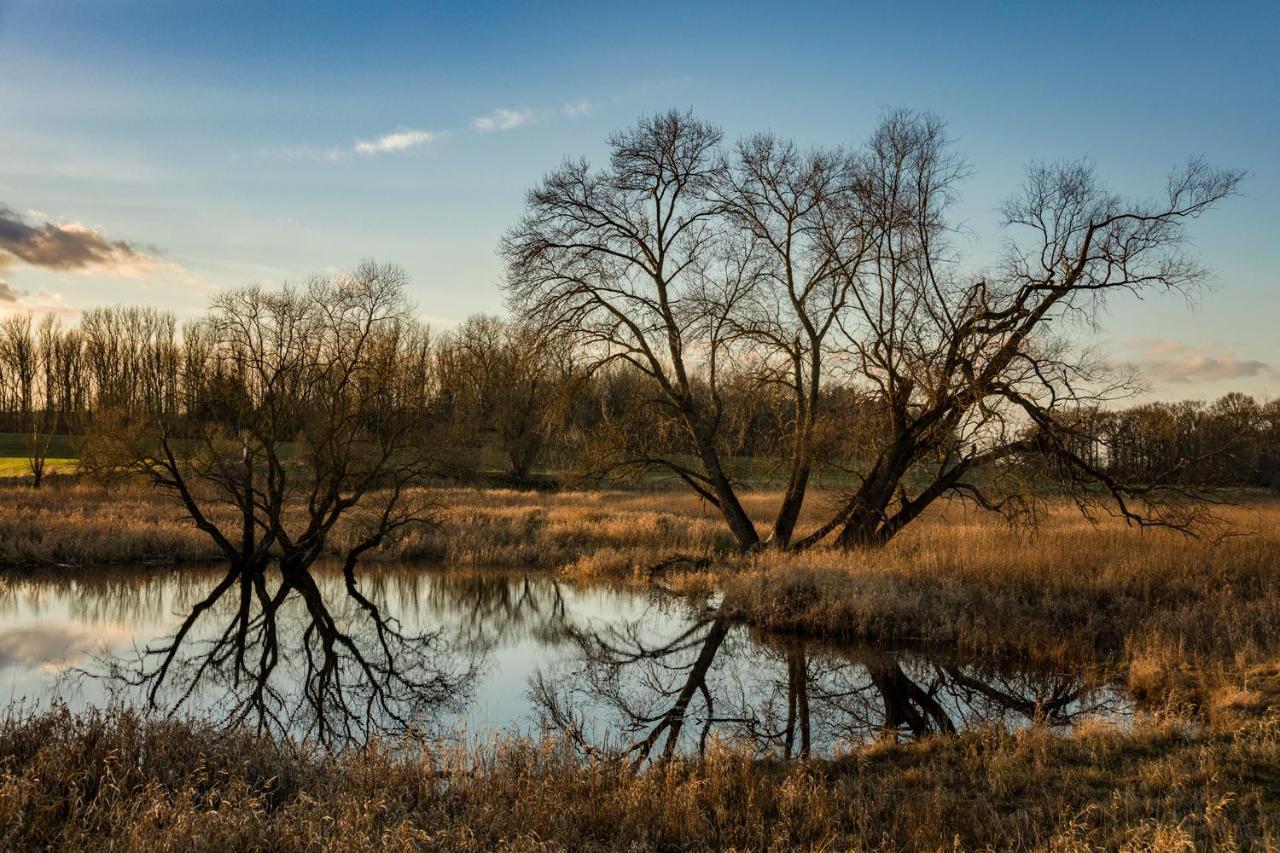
{"x": 479, "y": 652}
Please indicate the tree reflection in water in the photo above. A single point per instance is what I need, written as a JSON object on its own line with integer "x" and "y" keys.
{"x": 302, "y": 654}
{"x": 787, "y": 697}
{"x": 316, "y": 654}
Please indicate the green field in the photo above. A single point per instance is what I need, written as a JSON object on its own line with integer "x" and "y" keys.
{"x": 13, "y": 455}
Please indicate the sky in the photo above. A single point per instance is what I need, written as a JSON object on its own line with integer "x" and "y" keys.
{"x": 156, "y": 152}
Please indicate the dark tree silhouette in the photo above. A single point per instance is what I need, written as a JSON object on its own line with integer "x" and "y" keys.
{"x": 704, "y": 271}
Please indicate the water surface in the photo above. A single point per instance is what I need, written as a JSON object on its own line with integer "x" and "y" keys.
{"x": 473, "y": 653}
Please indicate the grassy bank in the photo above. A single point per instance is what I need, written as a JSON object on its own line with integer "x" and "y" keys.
{"x": 1155, "y": 601}
{"x": 75, "y": 522}
{"x": 120, "y": 782}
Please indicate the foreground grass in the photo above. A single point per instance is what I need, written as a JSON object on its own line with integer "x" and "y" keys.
{"x": 121, "y": 782}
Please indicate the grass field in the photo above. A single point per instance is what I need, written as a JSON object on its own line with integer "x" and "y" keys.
{"x": 61, "y": 458}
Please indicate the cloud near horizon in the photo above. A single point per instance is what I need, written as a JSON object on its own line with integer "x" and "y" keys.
{"x": 1168, "y": 362}
{"x": 68, "y": 246}
{"x": 34, "y": 303}
{"x": 503, "y": 120}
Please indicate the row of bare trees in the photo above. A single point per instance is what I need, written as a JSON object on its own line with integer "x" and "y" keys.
{"x": 115, "y": 356}
{"x": 53, "y": 377}
{"x": 492, "y": 386}
{"x": 487, "y": 385}
{"x": 1233, "y": 441}
{"x": 495, "y": 392}
{"x": 699, "y": 263}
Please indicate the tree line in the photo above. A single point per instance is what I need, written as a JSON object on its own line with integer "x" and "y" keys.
{"x": 505, "y": 400}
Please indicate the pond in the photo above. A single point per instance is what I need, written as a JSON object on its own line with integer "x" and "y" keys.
{"x": 468, "y": 654}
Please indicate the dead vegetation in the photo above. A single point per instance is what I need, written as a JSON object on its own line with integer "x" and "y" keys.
{"x": 120, "y": 782}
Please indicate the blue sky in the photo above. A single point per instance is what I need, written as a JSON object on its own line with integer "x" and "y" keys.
{"x": 237, "y": 142}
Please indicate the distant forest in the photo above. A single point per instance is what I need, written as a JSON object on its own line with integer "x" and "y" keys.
{"x": 503, "y": 400}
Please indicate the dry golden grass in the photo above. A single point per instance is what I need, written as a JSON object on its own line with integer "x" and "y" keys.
{"x": 76, "y": 522}
{"x": 65, "y": 522}
{"x": 1154, "y": 600}
{"x": 123, "y": 783}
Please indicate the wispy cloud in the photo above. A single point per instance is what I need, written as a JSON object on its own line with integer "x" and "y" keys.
{"x": 1163, "y": 361}
{"x": 407, "y": 138}
{"x": 401, "y": 140}
{"x": 503, "y": 120}
{"x": 9, "y": 293}
{"x": 389, "y": 143}
{"x": 302, "y": 152}
{"x": 68, "y": 246}
{"x": 580, "y": 107}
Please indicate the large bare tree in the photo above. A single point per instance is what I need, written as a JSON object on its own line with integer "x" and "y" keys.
{"x": 831, "y": 271}
{"x": 973, "y": 371}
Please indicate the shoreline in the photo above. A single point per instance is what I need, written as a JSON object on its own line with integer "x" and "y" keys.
{"x": 1162, "y": 607}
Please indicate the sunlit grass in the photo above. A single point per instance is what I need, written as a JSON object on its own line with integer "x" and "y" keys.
{"x": 20, "y": 467}
{"x": 118, "y": 781}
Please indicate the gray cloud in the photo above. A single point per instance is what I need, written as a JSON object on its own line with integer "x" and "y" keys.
{"x": 9, "y": 293}
{"x": 67, "y": 246}
{"x": 1168, "y": 362}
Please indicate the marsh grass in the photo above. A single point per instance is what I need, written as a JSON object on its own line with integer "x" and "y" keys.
{"x": 1176, "y": 616}
{"x": 118, "y": 781}
{"x": 76, "y": 522}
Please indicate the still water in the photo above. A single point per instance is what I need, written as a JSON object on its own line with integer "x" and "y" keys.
{"x": 470, "y": 654}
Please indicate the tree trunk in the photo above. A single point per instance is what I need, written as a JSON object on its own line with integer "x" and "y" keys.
{"x": 866, "y": 532}
{"x": 740, "y": 524}
{"x": 784, "y": 526}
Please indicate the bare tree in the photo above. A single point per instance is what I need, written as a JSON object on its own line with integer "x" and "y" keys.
{"x": 508, "y": 381}
{"x": 971, "y": 371}
{"x": 620, "y": 259}
{"x": 804, "y": 239}
{"x": 827, "y": 270}
{"x": 27, "y": 359}
{"x": 297, "y": 413}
